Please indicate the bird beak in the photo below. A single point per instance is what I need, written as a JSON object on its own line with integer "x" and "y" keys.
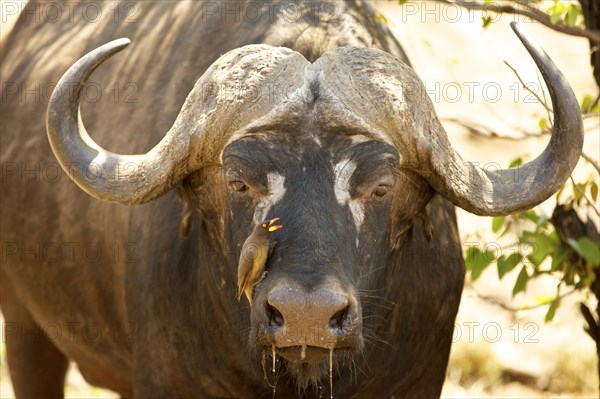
{"x": 276, "y": 227}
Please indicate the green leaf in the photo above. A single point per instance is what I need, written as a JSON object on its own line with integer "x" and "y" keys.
{"x": 542, "y": 245}
{"x": 579, "y": 190}
{"x": 572, "y": 14}
{"x": 594, "y": 191}
{"x": 477, "y": 261}
{"x": 497, "y": 222}
{"x": 543, "y": 124}
{"x": 542, "y": 223}
{"x": 521, "y": 283}
{"x": 559, "y": 192}
{"x": 506, "y": 264}
{"x": 516, "y": 162}
{"x": 486, "y": 20}
{"x": 552, "y": 310}
{"x": 554, "y": 18}
{"x": 586, "y": 103}
{"x": 506, "y": 229}
{"x": 587, "y": 249}
{"x": 532, "y": 215}
{"x": 559, "y": 256}
{"x": 544, "y": 300}
{"x": 590, "y": 276}
{"x": 556, "y": 12}
{"x": 553, "y": 236}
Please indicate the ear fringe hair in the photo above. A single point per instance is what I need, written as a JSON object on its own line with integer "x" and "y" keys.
{"x": 186, "y": 222}
{"x": 427, "y": 225}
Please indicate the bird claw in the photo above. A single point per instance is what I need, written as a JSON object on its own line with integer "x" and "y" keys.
{"x": 261, "y": 278}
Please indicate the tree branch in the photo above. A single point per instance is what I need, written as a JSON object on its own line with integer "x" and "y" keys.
{"x": 501, "y": 304}
{"x": 592, "y": 327}
{"x": 542, "y": 101}
{"x": 591, "y": 161}
{"x": 582, "y": 193}
{"x": 529, "y": 11}
{"x": 482, "y": 130}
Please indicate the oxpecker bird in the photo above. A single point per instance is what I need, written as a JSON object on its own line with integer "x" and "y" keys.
{"x": 255, "y": 252}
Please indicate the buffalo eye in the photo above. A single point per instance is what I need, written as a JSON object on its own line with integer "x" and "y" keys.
{"x": 380, "y": 191}
{"x": 238, "y": 186}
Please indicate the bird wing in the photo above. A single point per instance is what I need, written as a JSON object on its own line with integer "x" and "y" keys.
{"x": 243, "y": 281}
{"x": 245, "y": 265}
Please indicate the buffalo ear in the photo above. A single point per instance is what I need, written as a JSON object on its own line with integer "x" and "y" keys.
{"x": 411, "y": 210}
{"x": 421, "y": 220}
{"x": 406, "y": 228}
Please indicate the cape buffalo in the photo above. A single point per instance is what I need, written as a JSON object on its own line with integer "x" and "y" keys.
{"x": 305, "y": 111}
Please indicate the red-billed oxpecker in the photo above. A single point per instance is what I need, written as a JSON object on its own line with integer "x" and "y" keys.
{"x": 255, "y": 252}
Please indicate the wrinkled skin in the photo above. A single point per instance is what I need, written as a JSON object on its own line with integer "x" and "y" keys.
{"x": 165, "y": 305}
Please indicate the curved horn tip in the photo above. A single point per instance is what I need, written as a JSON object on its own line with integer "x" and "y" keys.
{"x": 531, "y": 46}
{"x": 119, "y": 43}
{"x": 520, "y": 33}
{"x": 110, "y": 48}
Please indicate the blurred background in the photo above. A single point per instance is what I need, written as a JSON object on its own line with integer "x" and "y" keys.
{"x": 500, "y": 350}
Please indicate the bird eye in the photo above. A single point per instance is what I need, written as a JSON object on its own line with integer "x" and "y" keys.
{"x": 238, "y": 186}
{"x": 380, "y": 190}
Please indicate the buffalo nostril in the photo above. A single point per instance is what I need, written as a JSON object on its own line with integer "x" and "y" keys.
{"x": 338, "y": 320}
{"x": 275, "y": 317}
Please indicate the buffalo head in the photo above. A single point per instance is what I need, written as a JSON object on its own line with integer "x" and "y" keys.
{"x": 347, "y": 151}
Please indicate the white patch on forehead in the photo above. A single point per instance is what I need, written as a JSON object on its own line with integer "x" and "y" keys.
{"x": 358, "y": 212}
{"x": 343, "y": 172}
{"x": 276, "y": 186}
{"x": 359, "y": 138}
